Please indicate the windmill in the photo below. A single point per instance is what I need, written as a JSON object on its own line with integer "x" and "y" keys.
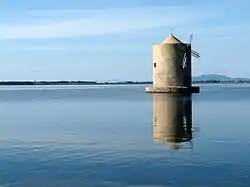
{"x": 172, "y": 68}
{"x": 187, "y": 49}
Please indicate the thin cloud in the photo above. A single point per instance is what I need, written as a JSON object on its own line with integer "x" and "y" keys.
{"x": 70, "y": 48}
{"x": 223, "y": 32}
{"x": 100, "y": 22}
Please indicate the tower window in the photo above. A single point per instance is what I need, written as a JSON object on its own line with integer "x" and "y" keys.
{"x": 154, "y": 64}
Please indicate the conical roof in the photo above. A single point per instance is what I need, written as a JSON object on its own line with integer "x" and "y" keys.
{"x": 172, "y": 39}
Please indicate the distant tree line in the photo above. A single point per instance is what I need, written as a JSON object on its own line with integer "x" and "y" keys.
{"x": 113, "y": 83}
{"x": 67, "y": 82}
{"x": 222, "y": 82}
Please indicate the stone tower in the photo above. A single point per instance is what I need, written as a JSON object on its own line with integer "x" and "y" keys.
{"x": 172, "y": 67}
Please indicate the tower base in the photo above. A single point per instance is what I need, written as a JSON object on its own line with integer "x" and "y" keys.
{"x": 173, "y": 89}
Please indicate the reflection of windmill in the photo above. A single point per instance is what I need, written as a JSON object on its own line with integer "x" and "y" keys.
{"x": 188, "y": 50}
{"x": 172, "y": 120}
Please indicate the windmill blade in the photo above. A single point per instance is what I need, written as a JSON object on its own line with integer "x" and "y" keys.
{"x": 184, "y": 61}
{"x": 190, "y": 38}
{"x": 195, "y": 56}
{"x": 182, "y": 47}
{"x": 193, "y": 53}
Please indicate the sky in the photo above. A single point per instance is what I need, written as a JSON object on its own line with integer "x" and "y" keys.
{"x": 105, "y": 40}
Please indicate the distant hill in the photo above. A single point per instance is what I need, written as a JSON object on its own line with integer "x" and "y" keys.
{"x": 217, "y": 77}
{"x": 209, "y": 77}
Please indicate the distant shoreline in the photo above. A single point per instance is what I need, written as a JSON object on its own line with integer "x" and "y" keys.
{"x": 11, "y": 83}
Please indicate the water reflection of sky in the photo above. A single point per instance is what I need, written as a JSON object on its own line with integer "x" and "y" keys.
{"x": 107, "y": 138}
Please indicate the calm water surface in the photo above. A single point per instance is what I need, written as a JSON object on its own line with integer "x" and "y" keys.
{"x": 121, "y": 136}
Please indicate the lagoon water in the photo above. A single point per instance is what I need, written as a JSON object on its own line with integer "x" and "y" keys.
{"x": 58, "y": 136}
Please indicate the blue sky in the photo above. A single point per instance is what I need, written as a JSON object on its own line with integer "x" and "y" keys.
{"x": 112, "y": 40}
